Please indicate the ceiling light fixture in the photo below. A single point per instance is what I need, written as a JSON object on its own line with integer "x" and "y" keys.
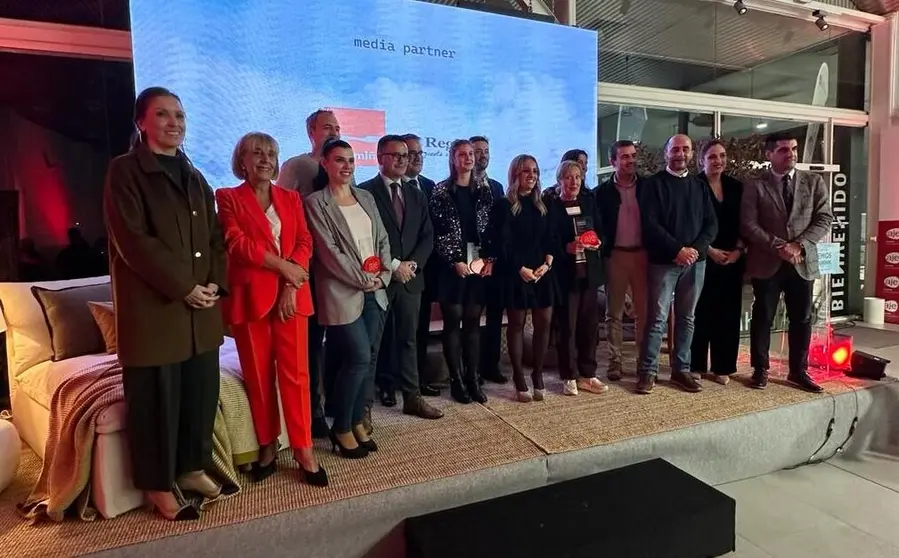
{"x": 740, "y": 7}
{"x": 820, "y": 22}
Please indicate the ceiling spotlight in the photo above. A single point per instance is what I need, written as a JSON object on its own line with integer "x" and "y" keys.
{"x": 740, "y": 7}
{"x": 761, "y": 125}
{"x": 820, "y": 22}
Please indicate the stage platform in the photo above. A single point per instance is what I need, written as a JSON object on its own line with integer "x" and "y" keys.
{"x": 478, "y": 452}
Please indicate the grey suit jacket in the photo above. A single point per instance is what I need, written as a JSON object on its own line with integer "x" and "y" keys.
{"x": 766, "y": 226}
{"x": 337, "y": 264}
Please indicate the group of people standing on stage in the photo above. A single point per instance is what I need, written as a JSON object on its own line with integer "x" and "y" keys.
{"x": 300, "y": 254}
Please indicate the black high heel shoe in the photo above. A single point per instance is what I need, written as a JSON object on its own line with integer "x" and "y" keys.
{"x": 354, "y": 453}
{"x": 261, "y": 472}
{"x": 369, "y": 444}
{"x": 317, "y": 478}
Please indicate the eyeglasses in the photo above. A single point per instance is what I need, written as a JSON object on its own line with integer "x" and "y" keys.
{"x": 416, "y": 154}
{"x": 398, "y": 156}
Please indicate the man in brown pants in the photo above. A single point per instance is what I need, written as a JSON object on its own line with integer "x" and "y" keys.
{"x": 618, "y": 200}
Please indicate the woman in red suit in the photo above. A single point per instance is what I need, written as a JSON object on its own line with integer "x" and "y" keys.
{"x": 269, "y": 248}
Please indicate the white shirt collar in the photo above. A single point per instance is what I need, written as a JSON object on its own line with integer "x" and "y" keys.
{"x": 791, "y": 174}
{"x": 388, "y": 181}
{"x": 678, "y": 174}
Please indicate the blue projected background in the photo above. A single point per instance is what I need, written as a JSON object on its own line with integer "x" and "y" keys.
{"x": 385, "y": 66}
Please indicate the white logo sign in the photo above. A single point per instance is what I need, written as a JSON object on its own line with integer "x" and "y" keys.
{"x": 893, "y": 234}
{"x": 892, "y": 258}
{"x": 891, "y": 306}
{"x": 891, "y": 282}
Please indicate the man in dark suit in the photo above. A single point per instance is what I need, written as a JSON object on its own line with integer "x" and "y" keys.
{"x": 492, "y": 334}
{"x": 423, "y": 334}
{"x": 784, "y": 214}
{"x": 416, "y": 162}
{"x": 404, "y": 211}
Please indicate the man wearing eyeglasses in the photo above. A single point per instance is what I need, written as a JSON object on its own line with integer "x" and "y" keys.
{"x": 416, "y": 162}
{"x": 404, "y": 211}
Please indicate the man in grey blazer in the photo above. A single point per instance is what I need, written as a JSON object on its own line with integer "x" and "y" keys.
{"x": 404, "y": 212}
{"x": 784, "y": 215}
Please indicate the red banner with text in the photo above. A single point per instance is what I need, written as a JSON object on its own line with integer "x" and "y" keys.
{"x": 888, "y": 269}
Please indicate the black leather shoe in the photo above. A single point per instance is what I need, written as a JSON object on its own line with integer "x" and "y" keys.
{"x": 429, "y": 391}
{"x": 458, "y": 391}
{"x": 759, "y": 379}
{"x": 804, "y": 382}
{"x": 475, "y": 391}
{"x": 686, "y": 382}
{"x": 388, "y": 398}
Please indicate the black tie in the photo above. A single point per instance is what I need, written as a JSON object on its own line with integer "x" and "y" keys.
{"x": 788, "y": 193}
{"x": 397, "y": 203}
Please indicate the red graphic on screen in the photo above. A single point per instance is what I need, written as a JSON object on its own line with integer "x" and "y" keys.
{"x": 362, "y": 128}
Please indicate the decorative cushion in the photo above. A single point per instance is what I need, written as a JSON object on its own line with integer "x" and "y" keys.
{"x": 104, "y": 315}
{"x": 10, "y": 447}
{"x": 73, "y": 331}
{"x": 28, "y": 337}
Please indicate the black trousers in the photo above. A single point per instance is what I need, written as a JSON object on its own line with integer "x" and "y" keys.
{"x": 492, "y": 334}
{"x": 577, "y": 320}
{"x": 717, "y": 319}
{"x": 422, "y": 338}
{"x": 461, "y": 339}
{"x": 170, "y": 417}
{"x": 398, "y": 356}
{"x": 798, "y": 298}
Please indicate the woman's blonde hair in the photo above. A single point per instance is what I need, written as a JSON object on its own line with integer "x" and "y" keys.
{"x": 564, "y": 167}
{"x": 512, "y": 190}
{"x": 248, "y": 143}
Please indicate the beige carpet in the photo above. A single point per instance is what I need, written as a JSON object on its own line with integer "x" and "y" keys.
{"x": 412, "y": 451}
{"x": 469, "y": 438}
{"x": 564, "y": 423}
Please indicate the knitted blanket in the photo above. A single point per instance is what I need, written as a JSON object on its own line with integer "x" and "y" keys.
{"x": 76, "y": 405}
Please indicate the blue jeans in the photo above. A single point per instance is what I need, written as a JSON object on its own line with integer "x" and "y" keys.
{"x": 685, "y": 284}
{"x": 357, "y": 343}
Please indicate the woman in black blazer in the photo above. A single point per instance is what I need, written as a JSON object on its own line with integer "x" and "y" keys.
{"x": 460, "y": 212}
{"x": 717, "y": 319}
{"x": 579, "y": 270}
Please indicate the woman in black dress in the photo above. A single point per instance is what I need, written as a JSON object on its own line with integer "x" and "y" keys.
{"x": 526, "y": 245}
{"x": 717, "y": 320}
{"x": 460, "y": 211}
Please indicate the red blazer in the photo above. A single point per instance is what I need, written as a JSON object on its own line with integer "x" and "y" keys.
{"x": 254, "y": 289}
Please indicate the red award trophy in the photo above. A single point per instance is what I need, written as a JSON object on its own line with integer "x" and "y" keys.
{"x": 372, "y": 265}
{"x": 589, "y": 239}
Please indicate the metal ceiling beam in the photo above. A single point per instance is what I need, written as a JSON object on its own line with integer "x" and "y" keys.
{"x": 846, "y": 18}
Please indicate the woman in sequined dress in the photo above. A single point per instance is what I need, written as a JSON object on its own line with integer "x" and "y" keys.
{"x": 460, "y": 211}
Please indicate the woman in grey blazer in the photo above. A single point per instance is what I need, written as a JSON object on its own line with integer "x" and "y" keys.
{"x": 351, "y": 264}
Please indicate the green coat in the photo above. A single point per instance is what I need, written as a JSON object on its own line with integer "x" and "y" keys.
{"x": 163, "y": 240}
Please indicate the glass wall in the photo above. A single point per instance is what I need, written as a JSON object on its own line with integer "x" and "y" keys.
{"x": 707, "y": 47}
{"x": 650, "y": 129}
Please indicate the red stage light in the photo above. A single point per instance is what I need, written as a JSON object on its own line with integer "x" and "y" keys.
{"x": 833, "y": 351}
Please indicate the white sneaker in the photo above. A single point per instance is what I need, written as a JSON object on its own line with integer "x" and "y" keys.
{"x": 569, "y": 387}
{"x": 539, "y": 394}
{"x": 525, "y": 396}
{"x": 592, "y": 385}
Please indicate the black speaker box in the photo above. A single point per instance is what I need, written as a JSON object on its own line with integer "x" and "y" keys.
{"x": 868, "y": 366}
